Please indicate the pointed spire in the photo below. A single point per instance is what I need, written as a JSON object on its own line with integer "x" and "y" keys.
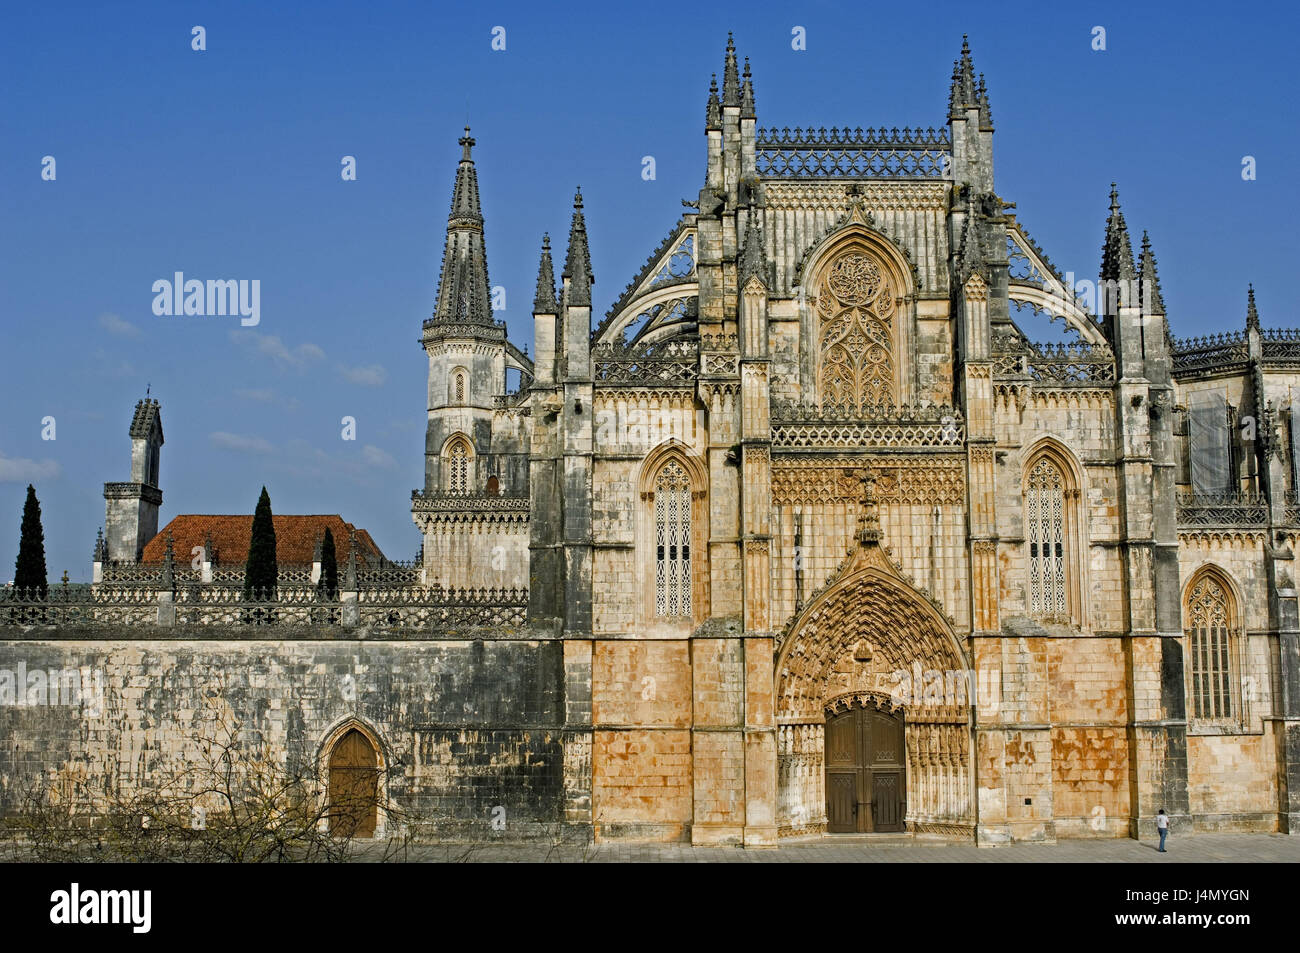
{"x": 463, "y": 296}
{"x": 99, "y": 546}
{"x": 464, "y": 198}
{"x": 544, "y": 300}
{"x": 963, "y": 93}
{"x": 730, "y": 76}
{"x": 752, "y": 260}
{"x": 1117, "y": 252}
{"x": 1152, "y": 301}
{"x": 577, "y": 264}
{"x": 747, "y": 110}
{"x": 713, "y": 112}
{"x": 1252, "y": 316}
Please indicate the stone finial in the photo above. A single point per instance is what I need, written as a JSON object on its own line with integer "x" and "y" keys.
{"x": 100, "y": 555}
{"x": 350, "y": 575}
{"x": 730, "y": 76}
{"x": 1252, "y": 315}
{"x": 209, "y": 553}
{"x": 544, "y": 301}
{"x": 713, "y": 112}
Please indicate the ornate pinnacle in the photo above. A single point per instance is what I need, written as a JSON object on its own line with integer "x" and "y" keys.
{"x": 713, "y": 112}
{"x": 168, "y": 576}
{"x": 1252, "y": 316}
{"x": 577, "y": 263}
{"x": 99, "y": 545}
{"x": 747, "y": 110}
{"x": 962, "y": 95}
{"x": 730, "y": 77}
{"x": 544, "y": 300}
{"x": 1152, "y": 301}
{"x": 1117, "y": 251}
{"x": 752, "y": 260}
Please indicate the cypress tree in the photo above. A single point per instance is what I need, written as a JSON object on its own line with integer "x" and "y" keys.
{"x": 329, "y": 567}
{"x": 29, "y": 570}
{"x": 260, "y": 572}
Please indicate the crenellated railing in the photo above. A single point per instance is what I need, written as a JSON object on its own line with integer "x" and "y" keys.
{"x": 673, "y": 363}
{"x": 398, "y": 604}
{"x": 1215, "y": 352}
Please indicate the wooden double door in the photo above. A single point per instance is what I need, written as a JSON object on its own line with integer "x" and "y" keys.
{"x": 866, "y": 784}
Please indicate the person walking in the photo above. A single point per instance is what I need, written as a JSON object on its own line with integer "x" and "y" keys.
{"x": 1162, "y": 825}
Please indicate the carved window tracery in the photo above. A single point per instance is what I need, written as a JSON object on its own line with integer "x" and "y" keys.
{"x": 1212, "y": 644}
{"x": 458, "y": 457}
{"x": 855, "y": 312}
{"x": 672, "y": 511}
{"x": 1045, "y": 519}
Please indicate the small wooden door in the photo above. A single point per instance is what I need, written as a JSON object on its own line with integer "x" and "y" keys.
{"x": 354, "y": 786}
{"x": 865, "y": 779}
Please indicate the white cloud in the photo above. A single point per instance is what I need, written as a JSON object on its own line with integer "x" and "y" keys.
{"x": 378, "y": 458}
{"x": 240, "y": 443}
{"x": 22, "y": 470}
{"x": 113, "y": 366}
{"x": 367, "y": 375}
{"x": 270, "y": 345}
{"x": 114, "y": 324}
{"x": 264, "y": 395}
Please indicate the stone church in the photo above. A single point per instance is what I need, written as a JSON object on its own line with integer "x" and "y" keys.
{"x": 813, "y": 537}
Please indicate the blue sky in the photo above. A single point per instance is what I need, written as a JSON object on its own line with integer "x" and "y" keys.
{"x": 225, "y": 164}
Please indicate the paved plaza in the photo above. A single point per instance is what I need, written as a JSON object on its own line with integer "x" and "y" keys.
{"x": 1190, "y": 848}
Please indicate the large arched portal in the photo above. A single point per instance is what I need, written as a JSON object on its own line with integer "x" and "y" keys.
{"x": 872, "y": 643}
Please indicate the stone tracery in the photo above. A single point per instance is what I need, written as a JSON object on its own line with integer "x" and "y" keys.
{"x": 855, "y": 308}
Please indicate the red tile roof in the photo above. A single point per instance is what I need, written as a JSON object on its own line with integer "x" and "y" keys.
{"x": 295, "y": 539}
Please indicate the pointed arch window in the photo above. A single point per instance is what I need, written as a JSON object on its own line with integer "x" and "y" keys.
{"x": 1214, "y": 670}
{"x": 1045, "y": 528}
{"x": 457, "y": 460}
{"x": 672, "y": 522}
{"x": 460, "y": 387}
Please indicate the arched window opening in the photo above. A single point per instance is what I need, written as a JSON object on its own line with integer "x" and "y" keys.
{"x": 1045, "y": 529}
{"x": 672, "y": 513}
{"x": 493, "y": 486}
{"x": 457, "y": 461}
{"x": 353, "y": 786}
{"x": 1212, "y": 638}
{"x": 460, "y": 387}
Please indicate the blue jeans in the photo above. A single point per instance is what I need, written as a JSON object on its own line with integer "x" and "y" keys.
{"x": 1164, "y": 832}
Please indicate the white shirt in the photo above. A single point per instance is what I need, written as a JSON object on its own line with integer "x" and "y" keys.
{"x": 1162, "y": 821}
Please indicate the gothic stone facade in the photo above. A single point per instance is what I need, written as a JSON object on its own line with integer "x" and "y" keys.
{"x": 814, "y": 537}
